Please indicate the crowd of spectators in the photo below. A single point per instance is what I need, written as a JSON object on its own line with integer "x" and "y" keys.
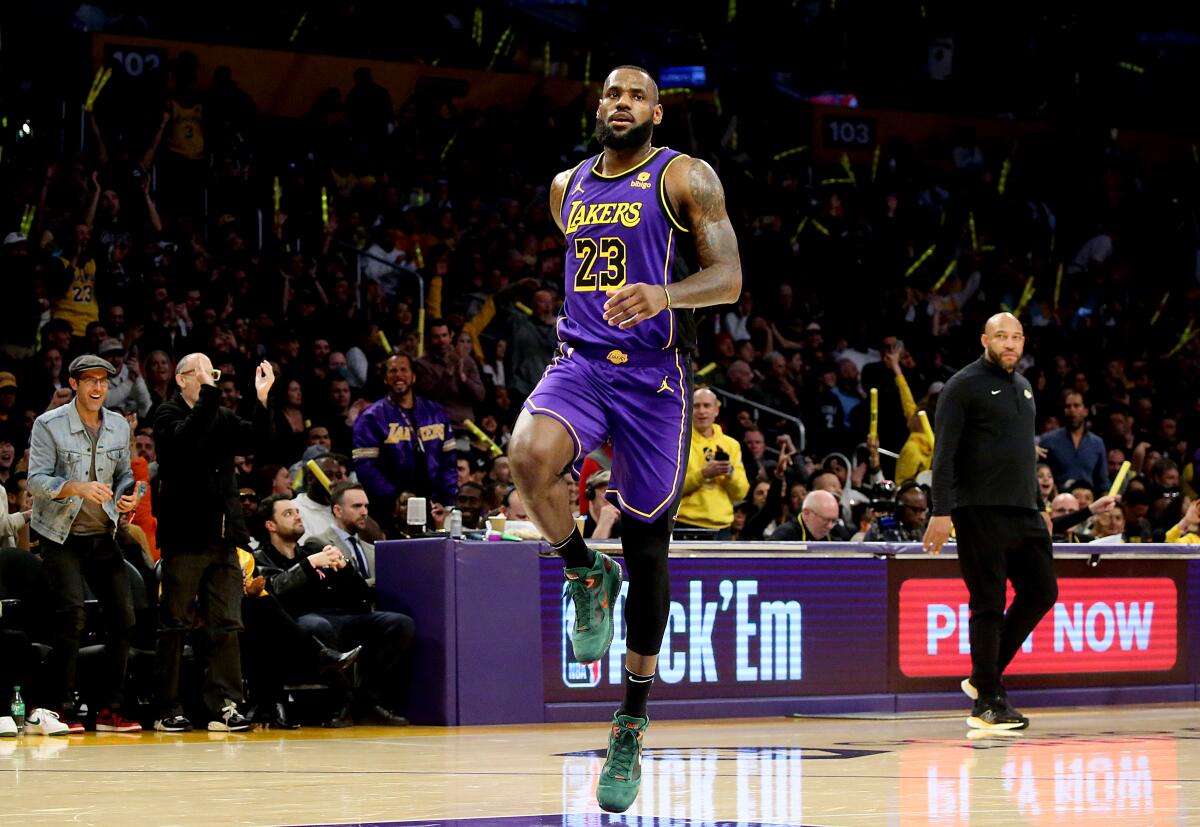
{"x": 142, "y": 250}
{"x": 398, "y": 264}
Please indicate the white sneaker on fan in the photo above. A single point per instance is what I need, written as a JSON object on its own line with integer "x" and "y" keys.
{"x": 44, "y": 722}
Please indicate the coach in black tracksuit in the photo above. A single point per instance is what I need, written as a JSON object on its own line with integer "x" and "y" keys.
{"x": 984, "y": 481}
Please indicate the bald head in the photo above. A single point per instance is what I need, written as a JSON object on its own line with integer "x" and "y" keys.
{"x": 820, "y": 513}
{"x": 1064, "y": 504}
{"x": 705, "y": 408}
{"x": 1003, "y": 341}
{"x": 1002, "y": 321}
{"x": 192, "y": 372}
{"x": 191, "y": 362}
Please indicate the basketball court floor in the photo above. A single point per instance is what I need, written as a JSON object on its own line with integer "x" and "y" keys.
{"x": 1116, "y": 766}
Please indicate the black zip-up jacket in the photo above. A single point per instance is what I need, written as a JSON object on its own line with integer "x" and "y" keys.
{"x": 197, "y": 504}
{"x": 984, "y": 451}
{"x": 302, "y": 589}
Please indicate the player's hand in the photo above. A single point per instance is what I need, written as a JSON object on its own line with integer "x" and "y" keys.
{"x": 634, "y": 303}
{"x": 1105, "y": 503}
{"x": 937, "y": 534}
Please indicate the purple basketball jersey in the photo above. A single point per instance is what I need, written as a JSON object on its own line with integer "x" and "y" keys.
{"x": 621, "y": 230}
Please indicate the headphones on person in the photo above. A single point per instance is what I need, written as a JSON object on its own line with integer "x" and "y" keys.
{"x": 595, "y": 482}
{"x": 910, "y": 485}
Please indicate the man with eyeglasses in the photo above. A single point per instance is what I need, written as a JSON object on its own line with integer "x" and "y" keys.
{"x": 201, "y": 523}
{"x": 818, "y": 516}
{"x": 81, "y": 482}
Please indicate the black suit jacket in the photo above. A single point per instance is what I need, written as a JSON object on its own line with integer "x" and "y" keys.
{"x": 198, "y": 504}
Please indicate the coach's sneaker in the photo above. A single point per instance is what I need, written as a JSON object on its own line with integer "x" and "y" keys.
{"x": 45, "y": 722}
{"x": 1012, "y": 711}
{"x": 594, "y": 591}
{"x": 995, "y": 713}
{"x": 621, "y": 777}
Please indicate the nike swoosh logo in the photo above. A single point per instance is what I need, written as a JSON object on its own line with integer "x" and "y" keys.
{"x": 996, "y": 392}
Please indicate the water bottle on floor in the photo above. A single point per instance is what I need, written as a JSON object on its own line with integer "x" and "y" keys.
{"x": 18, "y": 709}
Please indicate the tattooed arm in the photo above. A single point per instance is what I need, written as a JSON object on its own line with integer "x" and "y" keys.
{"x": 558, "y": 191}
{"x": 696, "y": 193}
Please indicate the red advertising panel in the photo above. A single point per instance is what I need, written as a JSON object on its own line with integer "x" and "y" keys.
{"x": 1098, "y": 625}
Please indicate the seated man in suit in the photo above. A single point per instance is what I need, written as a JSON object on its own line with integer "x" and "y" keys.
{"x": 328, "y": 597}
{"x": 349, "y": 503}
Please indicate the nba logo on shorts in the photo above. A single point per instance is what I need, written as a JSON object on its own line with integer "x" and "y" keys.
{"x": 575, "y": 674}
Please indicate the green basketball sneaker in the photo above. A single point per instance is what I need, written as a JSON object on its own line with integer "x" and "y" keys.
{"x": 621, "y": 777}
{"x": 594, "y": 591}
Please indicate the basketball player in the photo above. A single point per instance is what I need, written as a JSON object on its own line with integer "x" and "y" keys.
{"x": 631, "y": 216}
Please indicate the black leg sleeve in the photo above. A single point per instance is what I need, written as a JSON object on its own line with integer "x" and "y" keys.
{"x": 648, "y": 603}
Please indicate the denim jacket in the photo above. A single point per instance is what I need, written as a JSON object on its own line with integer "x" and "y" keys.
{"x": 60, "y": 452}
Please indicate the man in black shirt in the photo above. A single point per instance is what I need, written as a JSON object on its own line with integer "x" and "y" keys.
{"x": 200, "y": 526}
{"x": 985, "y": 486}
{"x": 330, "y": 600}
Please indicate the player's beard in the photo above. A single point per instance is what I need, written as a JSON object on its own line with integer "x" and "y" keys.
{"x": 634, "y": 137}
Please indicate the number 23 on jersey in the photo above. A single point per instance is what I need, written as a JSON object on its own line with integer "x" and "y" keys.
{"x": 611, "y": 272}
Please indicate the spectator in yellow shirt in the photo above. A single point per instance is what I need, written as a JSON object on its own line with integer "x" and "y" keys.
{"x": 1188, "y": 529}
{"x": 716, "y": 478}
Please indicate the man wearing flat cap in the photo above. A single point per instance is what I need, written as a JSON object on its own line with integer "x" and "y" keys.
{"x": 81, "y": 483}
